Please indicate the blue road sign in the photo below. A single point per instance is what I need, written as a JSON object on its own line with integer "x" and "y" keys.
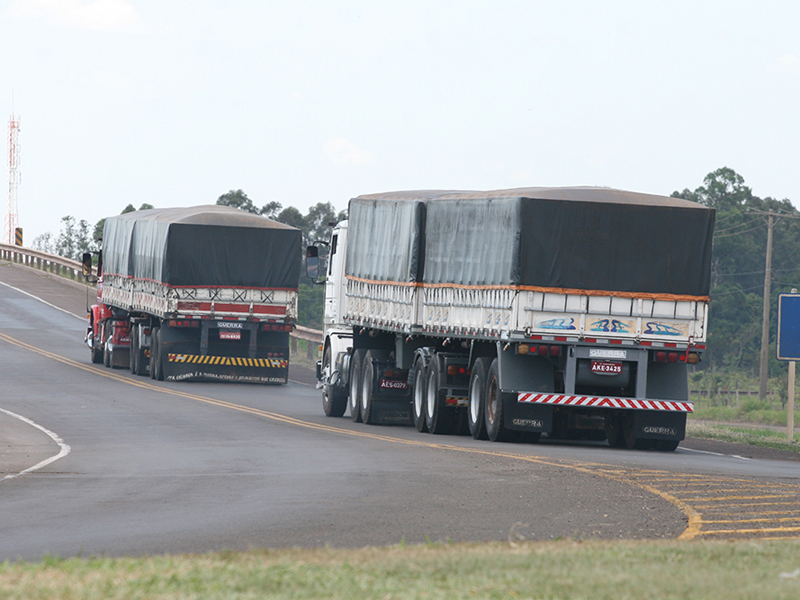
{"x": 789, "y": 327}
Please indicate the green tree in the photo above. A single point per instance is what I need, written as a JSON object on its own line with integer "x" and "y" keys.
{"x": 238, "y": 199}
{"x": 738, "y": 267}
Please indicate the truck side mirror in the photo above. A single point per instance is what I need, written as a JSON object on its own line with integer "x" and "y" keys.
{"x": 86, "y": 264}
{"x": 312, "y": 263}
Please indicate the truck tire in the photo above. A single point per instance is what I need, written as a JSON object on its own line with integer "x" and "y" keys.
{"x": 477, "y": 399}
{"x": 629, "y": 434}
{"x": 354, "y": 401}
{"x": 493, "y": 412}
{"x": 155, "y": 354}
{"x": 333, "y": 403}
{"x": 368, "y": 413}
{"x": 107, "y": 355}
{"x": 438, "y": 419}
{"x": 134, "y": 353}
{"x": 418, "y": 378}
{"x": 97, "y": 353}
{"x": 614, "y": 430}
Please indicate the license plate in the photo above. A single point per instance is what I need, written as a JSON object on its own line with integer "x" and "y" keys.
{"x": 602, "y": 367}
{"x": 230, "y": 335}
{"x": 392, "y": 384}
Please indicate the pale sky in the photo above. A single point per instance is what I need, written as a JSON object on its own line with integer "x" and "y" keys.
{"x": 175, "y": 103}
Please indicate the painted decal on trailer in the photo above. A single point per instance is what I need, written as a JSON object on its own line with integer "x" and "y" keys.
{"x": 563, "y": 324}
{"x": 610, "y": 326}
{"x": 654, "y": 328}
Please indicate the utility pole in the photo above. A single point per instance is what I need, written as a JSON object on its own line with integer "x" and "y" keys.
{"x": 763, "y": 370}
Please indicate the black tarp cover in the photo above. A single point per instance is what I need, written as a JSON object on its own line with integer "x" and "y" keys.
{"x": 202, "y": 246}
{"x": 596, "y": 240}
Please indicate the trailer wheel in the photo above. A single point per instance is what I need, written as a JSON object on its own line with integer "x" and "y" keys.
{"x": 334, "y": 404}
{"x": 614, "y": 430}
{"x": 477, "y": 399}
{"x": 368, "y": 413}
{"x": 108, "y": 359}
{"x": 631, "y": 441}
{"x": 494, "y": 408}
{"x": 438, "y": 418}
{"x": 418, "y": 378}
{"x": 354, "y": 401}
{"x": 134, "y": 353}
{"x": 155, "y": 355}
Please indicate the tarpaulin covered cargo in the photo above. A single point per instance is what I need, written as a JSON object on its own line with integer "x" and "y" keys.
{"x": 385, "y": 239}
{"x": 204, "y": 246}
{"x": 578, "y": 238}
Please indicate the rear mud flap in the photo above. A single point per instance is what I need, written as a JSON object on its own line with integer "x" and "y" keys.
{"x": 518, "y": 416}
{"x": 659, "y": 425}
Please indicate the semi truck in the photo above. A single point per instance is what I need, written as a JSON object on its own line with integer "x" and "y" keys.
{"x": 204, "y": 293}
{"x": 571, "y": 312}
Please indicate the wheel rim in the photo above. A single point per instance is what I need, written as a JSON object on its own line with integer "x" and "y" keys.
{"x": 432, "y": 393}
{"x": 366, "y": 384}
{"x": 354, "y": 388}
{"x": 326, "y": 374}
{"x": 418, "y": 392}
{"x": 474, "y": 400}
{"x": 492, "y": 399}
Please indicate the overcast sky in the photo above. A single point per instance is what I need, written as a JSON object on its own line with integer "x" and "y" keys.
{"x": 175, "y": 103}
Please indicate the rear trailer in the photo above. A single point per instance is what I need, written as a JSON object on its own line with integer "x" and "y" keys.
{"x": 209, "y": 293}
{"x": 571, "y": 312}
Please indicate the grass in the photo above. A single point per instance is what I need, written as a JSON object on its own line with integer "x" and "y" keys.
{"x": 562, "y": 569}
{"x": 743, "y": 434}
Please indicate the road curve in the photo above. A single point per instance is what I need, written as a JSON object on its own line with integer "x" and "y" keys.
{"x": 185, "y": 467}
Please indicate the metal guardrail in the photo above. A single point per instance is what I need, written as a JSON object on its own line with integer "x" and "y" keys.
{"x": 36, "y": 259}
{"x": 72, "y": 269}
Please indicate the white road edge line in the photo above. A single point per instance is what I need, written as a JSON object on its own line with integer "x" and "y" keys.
{"x": 42, "y": 301}
{"x": 65, "y": 449}
{"x": 716, "y": 453}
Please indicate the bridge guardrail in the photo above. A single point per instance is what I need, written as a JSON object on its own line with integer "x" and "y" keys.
{"x": 36, "y": 259}
{"x": 72, "y": 269}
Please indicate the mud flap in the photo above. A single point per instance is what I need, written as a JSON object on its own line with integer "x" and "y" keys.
{"x": 659, "y": 425}
{"x": 521, "y": 416}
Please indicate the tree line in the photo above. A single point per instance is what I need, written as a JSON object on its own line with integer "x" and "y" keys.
{"x": 737, "y": 270}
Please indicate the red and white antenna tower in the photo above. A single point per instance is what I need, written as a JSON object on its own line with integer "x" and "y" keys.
{"x": 12, "y": 217}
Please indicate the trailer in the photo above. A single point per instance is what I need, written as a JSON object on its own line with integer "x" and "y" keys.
{"x": 569, "y": 312}
{"x": 205, "y": 293}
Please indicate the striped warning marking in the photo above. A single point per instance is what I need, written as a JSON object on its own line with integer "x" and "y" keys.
{"x": 270, "y": 363}
{"x": 603, "y": 402}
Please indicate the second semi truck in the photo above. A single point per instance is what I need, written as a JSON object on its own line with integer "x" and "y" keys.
{"x": 198, "y": 293}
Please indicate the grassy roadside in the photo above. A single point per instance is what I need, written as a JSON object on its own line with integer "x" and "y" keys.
{"x": 563, "y": 569}
{"x": 743, "y": 433}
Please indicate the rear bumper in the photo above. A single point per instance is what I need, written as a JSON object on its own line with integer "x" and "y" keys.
{"x": 192, "y": 367}
{"x": 605, "y": 402}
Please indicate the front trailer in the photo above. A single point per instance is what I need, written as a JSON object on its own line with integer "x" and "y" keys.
{"x": 191, "y": 349}
{"x": 630, "y": 393}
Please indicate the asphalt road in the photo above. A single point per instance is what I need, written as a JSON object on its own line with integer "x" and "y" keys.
{"x": 123, "y": 465}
